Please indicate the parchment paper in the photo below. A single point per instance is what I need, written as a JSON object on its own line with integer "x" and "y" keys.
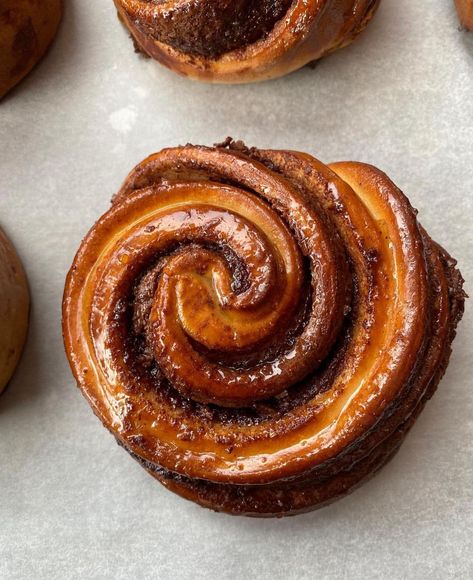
{"x": 74, "y": 505}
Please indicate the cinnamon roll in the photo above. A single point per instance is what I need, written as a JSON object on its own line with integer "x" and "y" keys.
{"x": 14, "y": 309}
{"x": 465, "y": 12}
{"x": 27, "y": 29}
{"x": 237, "y": 41}
{"x": 259, "y": 330}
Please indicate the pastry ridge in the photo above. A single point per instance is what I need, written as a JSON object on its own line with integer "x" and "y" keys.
{"x": 258, "y": 329}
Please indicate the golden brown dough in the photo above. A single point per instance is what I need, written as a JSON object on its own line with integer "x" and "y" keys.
{"x": 236, "y": 41}
{"x": 14, "y": 309}
{"x": 465, "y": 11}
{"x": 27, "y": 28}
{"x": 259, "y": 330}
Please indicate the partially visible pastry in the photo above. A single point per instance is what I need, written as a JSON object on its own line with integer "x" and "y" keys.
{"x": 465, "y": 11}
{"x": 27, "y": 28}
{"x": 14, "y": 309}
{"x": 237, "y": 41}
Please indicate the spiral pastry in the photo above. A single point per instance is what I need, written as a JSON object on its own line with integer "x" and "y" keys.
{"x": 242, "y": 40}
{"x": 257, "y": 329}
{"x": 465, "y": 12}
{"x": 14, "y": 309}
{"x": 27, "y": 28}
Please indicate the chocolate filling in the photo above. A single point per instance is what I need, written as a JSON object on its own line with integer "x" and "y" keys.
{"x": 210, "y": 29}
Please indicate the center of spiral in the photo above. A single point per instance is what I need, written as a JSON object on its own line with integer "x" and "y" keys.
{"x": 196, "y": 311}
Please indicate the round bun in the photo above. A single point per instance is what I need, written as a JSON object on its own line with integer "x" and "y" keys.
{"x": 259, "y": 330}
{"x": 14, "y": 309}
{"x": 237, "y": 41}
{"x": 26, "y": 30}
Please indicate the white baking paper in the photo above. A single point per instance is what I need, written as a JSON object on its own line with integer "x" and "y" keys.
{"x": 74, "y": 505}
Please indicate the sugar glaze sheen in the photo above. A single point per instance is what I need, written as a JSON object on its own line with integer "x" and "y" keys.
{"x": 258, "y": 329}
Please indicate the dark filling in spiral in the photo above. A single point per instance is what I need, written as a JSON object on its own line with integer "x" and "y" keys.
{"x": 134, "y": 313}
{"x": 210, "y": 29}
{"x": 353, "y": 464}
{"x": 132, "y": 322}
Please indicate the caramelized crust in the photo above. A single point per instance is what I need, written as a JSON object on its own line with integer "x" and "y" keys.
{"x": 465, "y": 12}
{"x": 197, "y": 28}
{"x": 239, "y": 41}
{"x": 27, "y": 28}
{"x": 259, "y": 330}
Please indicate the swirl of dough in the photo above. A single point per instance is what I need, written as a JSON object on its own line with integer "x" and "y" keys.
{"x": 242, "y": 40}
{"x": 258, "y": 329}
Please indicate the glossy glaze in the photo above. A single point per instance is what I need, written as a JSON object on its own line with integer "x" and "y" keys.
{"x": 283, "y": 36}
{"x": 259, "y": 329}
